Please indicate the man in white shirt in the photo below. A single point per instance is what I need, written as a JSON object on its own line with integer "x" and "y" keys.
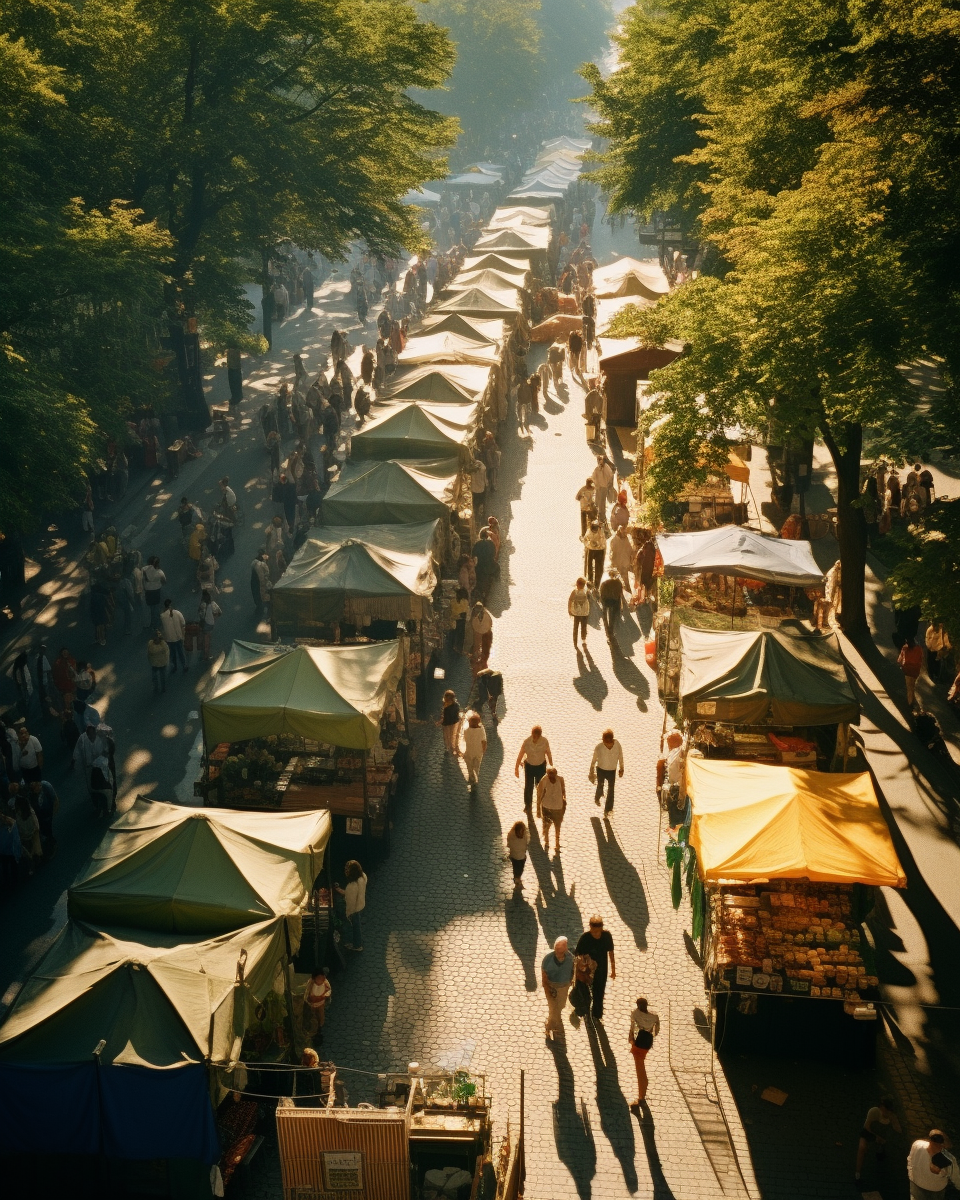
{"x": 605, "y": 766}
{"x": 534, "y": 754}
{"x": 481, "y": 622}
{"x": 90, "y": 746}
{"x": 173, "y": 625}
{"x": 228, "y": 496}
{"x": 620, "y": 555}
{"x": 930, "y": 1167}
{"x": 31, "y": 755}
{"x": 603, "y": 481}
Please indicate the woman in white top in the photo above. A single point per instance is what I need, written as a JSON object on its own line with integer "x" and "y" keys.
{"x": 315, "y": 999}
{"x": 518, "y": 839}
{"x": 644, "y": 1027}
{"x": 355, "y": 895}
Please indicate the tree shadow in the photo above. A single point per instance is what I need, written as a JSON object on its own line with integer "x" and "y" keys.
{"x": 624, "y": 884}
{"x": 523, "y": 932}
{"x": 661, "y": 1189}
{"x": 557, "y": 909}
{"x": 590, "y": 683}
{"x": 571, "y": 1127}
{"x": 615, "y": 1120}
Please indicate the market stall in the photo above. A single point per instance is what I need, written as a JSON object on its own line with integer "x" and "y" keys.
{"x": 518, "y": 215}
{"x": 496, "y": 262}
{"x": 526, "y": 241}
{"x": 488, "y": 278}
{"x": 786, "y": 861}
{"x": 296, "y": 728}
{"x": 489, "y": 332}
{"x": 642, "y": 279}
{"x": 402, "y": 430}
{"x": 197, "y": 872}
{"x": 398, "y": 491}
{"x": 624, "y": 371}
{"x": 449, "y": 347}
{"x": 350, "y": 589}
{"x": 485, "y": 303}
{"x": 108, "y": 1052}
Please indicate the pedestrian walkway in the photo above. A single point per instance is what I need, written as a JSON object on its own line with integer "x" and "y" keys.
{"x": 450, "y": 969}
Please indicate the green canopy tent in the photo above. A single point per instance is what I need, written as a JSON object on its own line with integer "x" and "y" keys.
{"x": 526, "y": 241}
{"x": 301, "y": 837}
{"x": 487, "y": 278}
{"x": 352, "y": 581}
{"x": 491, "y": 333}
{"x": 196, "y": 876}
{"x": 440, "y": 383}
{"x": 787, "y": 676}
{"x": 333, "y": 694}
{"x": 482, "y": 302}
{"x": 496, "y": 262}
{"x": 108, "y": 1047}
{"x": 415, "y": 430}
{"x": 448, "y": 347}
{"x": 387, "y": 493}
{"x": 422, "y": 538}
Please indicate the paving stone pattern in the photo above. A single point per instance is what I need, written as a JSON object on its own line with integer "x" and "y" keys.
{"x": 450, "y": 969}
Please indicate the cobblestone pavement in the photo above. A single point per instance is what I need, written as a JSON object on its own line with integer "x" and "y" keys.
{"x": 450, "y": 969}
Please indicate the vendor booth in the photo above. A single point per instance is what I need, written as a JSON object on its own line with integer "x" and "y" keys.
{"x": 518, "y": 215}
{"x": 527, "y": 241}
{"x": 440, "y": 384}
{"x": 449, "y": 347}
{"x": 492, "y": 333}
{"x": 489, "y": 279}
{"x": 352, "y": 588}
{"x": 400, "y": 491}
{"x": 631, "y": 277}
{"x": 786, "y": 861}
{"x": 622, "y": 373}
{"x": 501, "y": 304}
{"x": 415, "y": 430}
{"x": 296, "y": 728}
{"x": 108, "y": 1058}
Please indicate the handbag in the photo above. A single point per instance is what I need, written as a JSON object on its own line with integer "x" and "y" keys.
{"x": 643, "y": 1040}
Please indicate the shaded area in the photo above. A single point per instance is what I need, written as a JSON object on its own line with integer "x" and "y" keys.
{"x": 571, "y": 1127}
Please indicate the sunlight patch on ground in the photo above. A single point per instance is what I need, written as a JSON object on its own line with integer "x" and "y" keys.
{"x": 170, "y": 731}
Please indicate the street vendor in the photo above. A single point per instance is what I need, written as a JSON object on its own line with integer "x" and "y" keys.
{"x": 670, "y": 768}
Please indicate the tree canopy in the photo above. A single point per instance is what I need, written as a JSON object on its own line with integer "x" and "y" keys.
{"x": 153, "y": 149}
{"x": 794, "y": 141}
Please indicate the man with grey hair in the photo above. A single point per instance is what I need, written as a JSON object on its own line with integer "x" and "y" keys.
{"x": 556, "y": 975}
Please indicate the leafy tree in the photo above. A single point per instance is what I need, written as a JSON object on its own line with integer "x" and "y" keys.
{"x": 929, "y": 574}
{"x": 573, "y": 32}
{"x": 802, "y": 172}
{"x": 498, "y": 71}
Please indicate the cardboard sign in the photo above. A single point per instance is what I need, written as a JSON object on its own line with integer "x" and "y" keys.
{"x": 343, "y": 1170}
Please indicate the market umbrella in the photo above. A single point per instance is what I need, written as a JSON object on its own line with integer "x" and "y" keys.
{"x": 332, "y": 694}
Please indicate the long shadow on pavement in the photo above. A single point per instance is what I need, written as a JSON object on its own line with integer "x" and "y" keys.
{"x": 557, "y": 909}
{"x": 661, "y": 1189}
{"x": 590, "y": 683}
{"x": 615, "y": 1120}
{"x": 523, "y": 931}
{"x": 624, "y": 885}
{"x": 571, "y": 1127}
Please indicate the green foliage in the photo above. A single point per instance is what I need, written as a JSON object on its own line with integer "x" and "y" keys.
{"x": 573, "y": 32}
{"x": 928, "y": 574}
{"x": 498, "y": 71}
{"x": 812, "y": 147}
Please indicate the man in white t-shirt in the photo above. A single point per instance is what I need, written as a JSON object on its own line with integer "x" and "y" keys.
{"x": 605, "y": 766}
{"x": 173, "y": 625}
{"x": 930, "y": 1166}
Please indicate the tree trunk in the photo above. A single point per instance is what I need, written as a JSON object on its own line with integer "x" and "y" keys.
{"x": 266, "y": 301}
{"x": 851, "y": 528}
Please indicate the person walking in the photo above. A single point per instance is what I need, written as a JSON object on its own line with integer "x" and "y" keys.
{"x": 595, "y": 544}
{"x": 491, "y": 459}
{"x": 910, "y": 662}
{"x": 596, "y": 943}
{"x": 518, "y": 839}
{"x": 578, "y": 606}
{"x": 485, "y": 561}
{"x": 260, "y": 584}
{"x": 620, "y": 511}
{"x": 89, "y": 747}
{"x": 474, "y": 748}
{"x": 551, "y": 805}
{"x": 555, "y": 356}
{"x": 524, "y": 405}
{"x": 930, "y": 1166}
{"x": 84, "y": 683}
{"x": 481, "y": 622}
{"x": 545, "y": 375}
{"x": 99, "y": 612}
{"x": 587, "y": 499}
{"x": 575, "y": 346}
{"x": 31, "y": 755}
{"x": 620, "y": 555}
{"x": 556, "y": 975}
{"x": 158, "y": 656}
{"x": 45, "y": 803}
{"x": 875, "y": 1131}
{"x": 611, "y": 601}
{"x": 459, "y": 609}
{"x": 535, "y": 754}
{"x": 153, "y": 583}
{"x": 644, "y": 1027}
{"x": 450, "y": 721}
{"x": 602, "y": 482}
{"x": 605, "y": 766}
{"x": 65, "y": 677}
{"x": 355, "y": 898}
{"x": 478, "y": 487}
{"x": 208, "y": 614}
{"x": 938, "y": 646}
{"x": 173, "y": 624}
{"x": 643, "y": 567}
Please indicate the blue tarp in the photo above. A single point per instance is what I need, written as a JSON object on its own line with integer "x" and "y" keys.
{"x": 120, "y": 1111}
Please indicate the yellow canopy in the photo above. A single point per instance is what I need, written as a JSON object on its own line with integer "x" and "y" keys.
{"x": 753, "y": 822}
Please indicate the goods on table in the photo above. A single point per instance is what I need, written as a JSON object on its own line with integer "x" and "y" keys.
{"x": 790, "y": 936}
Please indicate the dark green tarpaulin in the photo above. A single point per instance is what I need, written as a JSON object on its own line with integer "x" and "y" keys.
{"x": 391, "y": 493}
{"x": 787, "y": 675}
{"x": 414, "y": 430}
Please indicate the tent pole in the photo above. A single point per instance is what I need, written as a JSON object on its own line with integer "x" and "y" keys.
{"x": 288, "y": 994}
{"x": 366, "y": 813}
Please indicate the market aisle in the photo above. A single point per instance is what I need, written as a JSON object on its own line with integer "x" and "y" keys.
{"x": 450, "y": 969}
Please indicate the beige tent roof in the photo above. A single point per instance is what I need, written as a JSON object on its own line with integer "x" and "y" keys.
{"x": 528, "y": 238}
{"x": 631, "y": 277}
{"x": 332, "y": 694}
{"x": 487, "y": 278}
{"x": 496, "y": 262}
{"x": 478, "y": 330}
{"x": 440, "y": 383}
{"x": 156, "y": 1000}
{"x": 518, "y": 214}
{"x": 448, "y": 348}
{"x": 482, "y": 302}
{"x": 411, "y": 429}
